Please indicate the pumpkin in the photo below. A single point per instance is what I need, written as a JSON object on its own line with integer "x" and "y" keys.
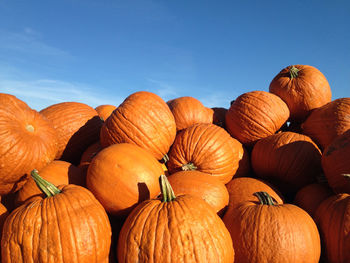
{"x": 174, "y": 229}
{"x": 202, "y": 185}
{"x": 326, "y": 123}
{"x": 70, "y": 225}
{"x": 333, "y": 220}
{"x": 207, "y": 148}
{"x": 336, "y": 163}
{"x": 268, "y": 232}
{"x": 219, "y": 116}
{"x": 88, "y": 155}
{"x": 77, "y": 125}
{"x": 3, "y": 215}
{"x": 303, "y": 88}
{"x": 311, "y": 196}
{"x": 123, "y": 175}
{"x": 188, "y": 111}
{"x": 27, "y": 139}
{"x": 255, "y": 115}
{"x": 244, "y": 166}
{"x": 57, "y": 172}
{"x": 143, "y": 119}
{"x": 105, "y": 110}
{"x": 289, "y": 160}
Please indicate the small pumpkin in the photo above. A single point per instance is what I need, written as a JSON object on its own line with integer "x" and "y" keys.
{"x": 105, "y": 110}
{"x": 143, "y": 119}
{"x": 207, "y": 148}
{"x": 69, "y": 225}
{"x": 289, "y": 160}
{"x": 255, "y": 115}
{"x": 123, "y": 175}
{"x": 336, "y": 163}
{"x": 27, "y": 139}
{"x": 326, "y": 123}
{"x": 333, "y": 220}
{"x": 202, "y": 185}
{"x": 77, "y": 125}
{"x": 88, "y": 155}
{"x": 268, "y": 232}
{"x": 188, "y": 111}
{"x": 303, "y": 88}
{"x": 174, "y": 229}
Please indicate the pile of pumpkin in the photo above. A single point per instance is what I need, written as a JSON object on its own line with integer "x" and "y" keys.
{"x": 267, "y": 180}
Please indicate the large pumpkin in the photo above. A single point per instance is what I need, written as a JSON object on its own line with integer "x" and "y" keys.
{"x": 27, "y": 139}
{"x": 268, "y": 232}
{"x": 336, "y": 163}
{"x": 105, "y": 110}
{"x": 188, "y": 111}
{"x": 202, "y": 185}
{"x": 68, "y": 226}
{"x": 326, "y": 123}
{"x": 123, "y": 175}
{"x": 77, "y": 125}
{"x": 333, "y": 219}
{"x": 58, "y": 173}
{"x": 175, "y": 229}
{"x": 289, "y": 160}
{"x": 303, "y": 88}
{"x": 143, "y": 119}
{"x": 255, "y": 115}
{"x": 207, "y": 148}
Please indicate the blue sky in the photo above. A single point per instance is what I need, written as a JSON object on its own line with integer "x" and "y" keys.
{"x": 99, "y": 52}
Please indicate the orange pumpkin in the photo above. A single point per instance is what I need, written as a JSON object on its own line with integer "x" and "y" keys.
{"x": 219, "y": 116}
{"x": 303, "y": 88}
{"x": 105, "y": 110}
{"x": 175, "y": 229}
{"x": 207, "y": 148}
{"x": 326, "y": 123}
{"x": 255, "y": 115}
{"x": 143, "y": 119}
{"x": 268, "y": 232}
{"x": 202, "y": 185}
{"x": 123, "y": 175}
{"x": 70, "y": 225}
{"x": 27, "y": 139}
{"x": 77, "y": 125}
{"x": 88, "y": 155}
{"x": 188, "y": 111}
{"x": 3, "y": 215}
{"x": 336, "y": 163}
{"x": 57, "y": 172}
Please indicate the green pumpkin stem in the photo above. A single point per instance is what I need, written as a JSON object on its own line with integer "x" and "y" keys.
{"x": 48, "y": 188}
{"x": 167, "y": 191}
{"x": 293, "y": 71}
{"x": 189, "y": 167}
{"x": 265, "y": 198}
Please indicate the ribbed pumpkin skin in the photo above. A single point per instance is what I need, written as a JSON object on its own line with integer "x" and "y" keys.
{"x": 266, "y": 233}
{"x": 3, "y": 215}
{"x": 311, "y": 196}
{"x": 77, "y": 125}
{"x": 88, "y": 155}
{"x": 105, "y": 110}
{"x": 27, "y": 139}
{"x": 255, "y": 115}
{"x": 326, "y": 123}
{"x": 209, "y": 147}
{"x": 123, "y": 175}
{"x": 336, "y": 163}
{"x": 186, "y": 229}
{"x": 333, "y": 220}
{"x": 291, "y": 160}
{"x": 188, "y": 111}
{"x": 71, "y": 226}
{"x": 143, "y": 119}
{"x": 308, "y": 91}
{"x": 58, "y": 173}
{"x": 202, "y": 185}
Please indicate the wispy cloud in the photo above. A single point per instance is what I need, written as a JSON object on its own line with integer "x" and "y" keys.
{"x": 165, "y": 90}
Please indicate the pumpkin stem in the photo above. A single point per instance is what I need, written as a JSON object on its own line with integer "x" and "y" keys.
{"x": 165, "y": 158}
{"x": 48, "y": 188}
{"x": 346, "y": 176}
{"x": 188, "y": 167}
{"x": 167, "y": 191}
{"x": 293, "y": 71}
{"x": 265, "y": 198}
